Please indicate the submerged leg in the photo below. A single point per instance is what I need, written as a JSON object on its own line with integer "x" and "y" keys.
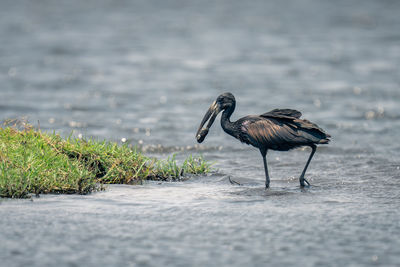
{"x": 302, "y": 180}
{"x": 264, "y": 154}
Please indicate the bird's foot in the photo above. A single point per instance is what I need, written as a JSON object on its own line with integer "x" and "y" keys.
{"x": 302, "y": 180}
{"x": 266, "y": 186}
{"x": 233, "y": 182}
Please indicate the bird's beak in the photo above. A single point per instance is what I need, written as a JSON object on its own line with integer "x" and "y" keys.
{"x": 210, "y": 115}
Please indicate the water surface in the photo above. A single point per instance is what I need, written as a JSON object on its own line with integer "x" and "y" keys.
{"x": 147, "y": 72}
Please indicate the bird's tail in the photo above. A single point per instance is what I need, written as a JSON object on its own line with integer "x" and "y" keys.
{"x": 325, "y": 140}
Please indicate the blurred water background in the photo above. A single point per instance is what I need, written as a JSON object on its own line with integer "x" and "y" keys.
{"x": 147, "y": 71}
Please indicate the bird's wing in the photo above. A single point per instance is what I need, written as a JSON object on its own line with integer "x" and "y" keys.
{"x": 271, "y": 133}
{"x": 281, "y": 134}
{"x": 282, "y": 114}
{"x": 292, "y": 117}
{"x": 306, "y": 124}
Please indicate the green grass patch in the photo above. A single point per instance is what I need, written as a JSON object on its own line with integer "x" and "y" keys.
{"x": 33, "y": 162}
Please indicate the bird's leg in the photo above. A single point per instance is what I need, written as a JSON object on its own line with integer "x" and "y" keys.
{"x": 302, "y": 180}
{"x": 264, "y": 154}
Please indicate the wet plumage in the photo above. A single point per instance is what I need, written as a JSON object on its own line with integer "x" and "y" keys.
{"x": 279, "y": 129}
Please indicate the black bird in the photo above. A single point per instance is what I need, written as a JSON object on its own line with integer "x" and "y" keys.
{"x": 279, "y": 129}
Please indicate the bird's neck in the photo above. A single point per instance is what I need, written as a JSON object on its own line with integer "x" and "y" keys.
{"x": 226, "y": 124}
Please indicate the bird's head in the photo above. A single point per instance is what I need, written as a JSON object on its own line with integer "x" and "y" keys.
{"x": 223, "y": 101}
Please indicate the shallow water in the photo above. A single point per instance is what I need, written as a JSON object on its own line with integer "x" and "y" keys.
{"x": 147, "y": 72}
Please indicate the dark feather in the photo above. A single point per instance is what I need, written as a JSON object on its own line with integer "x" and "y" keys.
{"x": 305, "y": 124}
{"x": 294, "y": 117}
{"x": 282, "y": 113}
{"x": 279, "y": 133}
